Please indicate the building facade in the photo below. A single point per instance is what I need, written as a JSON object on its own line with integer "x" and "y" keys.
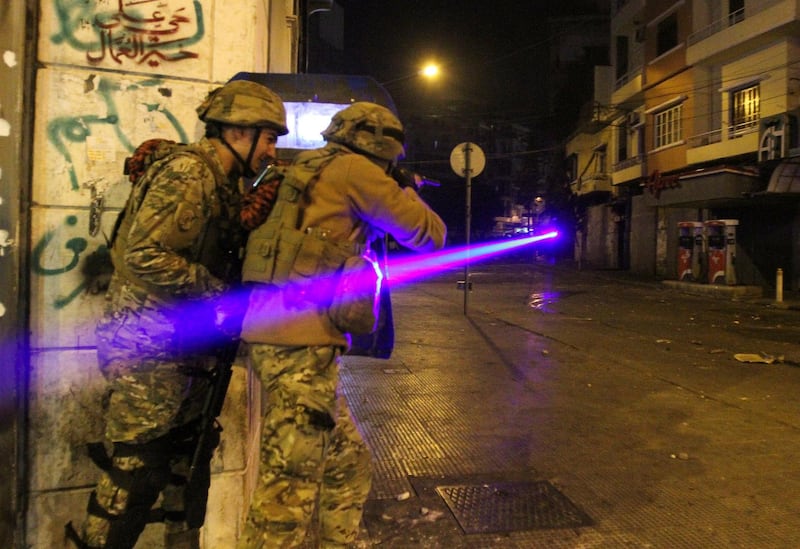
{"x": 699, "y": 132}
{"x": 83, "y": 84}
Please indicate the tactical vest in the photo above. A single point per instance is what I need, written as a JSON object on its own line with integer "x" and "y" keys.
{"x": 218, "y": 247}
{"x": 278, "y": 251}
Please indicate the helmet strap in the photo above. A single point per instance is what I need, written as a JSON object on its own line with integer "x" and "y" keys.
{"x": 247, "y": 171}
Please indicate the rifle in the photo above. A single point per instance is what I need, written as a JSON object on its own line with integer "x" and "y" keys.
{"x": 227, "y": 348}
{"x": 408, "y": 178}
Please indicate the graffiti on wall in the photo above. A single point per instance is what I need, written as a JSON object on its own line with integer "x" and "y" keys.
{"x": 67, "y": 262}
{"x": 140, "y": 32}
{"x": 64, "y": 132}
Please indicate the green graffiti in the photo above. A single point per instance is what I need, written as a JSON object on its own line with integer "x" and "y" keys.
{"x": 73, "y": 15}
{"x": 76, "y": 245}
{"x": 61, "y": 302}
{"x": 107, "y": 88}
{"x": 128, "y": 32}
{"x": 62, "y": 131}
{"x": 75, "y": 130}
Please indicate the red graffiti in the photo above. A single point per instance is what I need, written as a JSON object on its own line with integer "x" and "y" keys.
{"x": 145, "y": 36}
{"x": 657, "y": 183}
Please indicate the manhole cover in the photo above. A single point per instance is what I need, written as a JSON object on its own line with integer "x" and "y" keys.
{"x": 511, "y": 506}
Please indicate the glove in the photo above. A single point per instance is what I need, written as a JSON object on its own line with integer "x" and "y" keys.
{"x": 229, "y": 311}
{"x": 405, "y": 178}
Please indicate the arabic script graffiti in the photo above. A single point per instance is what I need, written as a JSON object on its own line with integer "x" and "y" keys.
{"x": 75, "y": 246}
{"x": 146, "y": 32}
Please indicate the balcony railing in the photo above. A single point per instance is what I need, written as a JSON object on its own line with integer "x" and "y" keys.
{"x": 731, "y": 19}
{"x": 703, "y": 139}
{"x": 628, "y": 163}
{"x": 738, "y": 130}
{"x": 593, "y": 182}
{"x": 627, "y": 77}
{"x": 715, "y": 136}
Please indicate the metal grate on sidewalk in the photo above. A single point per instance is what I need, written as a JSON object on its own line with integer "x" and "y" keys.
{"x": 511, "y": 506}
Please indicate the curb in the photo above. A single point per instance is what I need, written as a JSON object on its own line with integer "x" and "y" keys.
{"x": 714, "y": 290}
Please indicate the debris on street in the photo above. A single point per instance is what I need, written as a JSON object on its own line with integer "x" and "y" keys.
{"x": 761, "y": 358}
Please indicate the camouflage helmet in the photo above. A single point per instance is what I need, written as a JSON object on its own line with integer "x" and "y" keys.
{"x": 367, "y": 128}
{"x": 244, "y": 103}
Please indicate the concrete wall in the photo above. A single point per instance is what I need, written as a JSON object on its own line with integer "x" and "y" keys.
{"x": 601, "y": 238}
{"x": 597, "y": 245}
{"x": 112, "y": 74}
{"x": 15, "y": 55}
{"x": 643, "y": 237}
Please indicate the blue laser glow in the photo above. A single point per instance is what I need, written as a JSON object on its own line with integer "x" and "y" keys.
{"x": 197, "y": 318}
{"x": 415, "y": 267}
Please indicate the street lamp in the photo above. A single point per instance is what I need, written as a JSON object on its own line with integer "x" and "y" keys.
{"x": 429, "y": 71}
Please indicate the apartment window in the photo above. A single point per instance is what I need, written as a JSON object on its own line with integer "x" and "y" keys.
{"x": 622, "y": 143}
{"x": 667, "y": 34}
{"x": 735, "y": 11}
{"x": 571, "y": 167}
{"x": 745, "y": 109}
{"x": 668, "y": 127}
{"x": 600, "y": 159}
{"x": 622, "y": 56}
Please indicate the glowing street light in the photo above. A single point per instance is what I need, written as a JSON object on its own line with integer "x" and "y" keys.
{"x": 429, "y": 71}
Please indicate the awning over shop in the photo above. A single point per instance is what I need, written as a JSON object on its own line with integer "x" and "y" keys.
{"x": 785, "y": 179}
{"x": 713, "y": 188}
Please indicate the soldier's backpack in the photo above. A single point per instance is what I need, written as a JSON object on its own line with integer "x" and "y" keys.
{"x": 98, "y": 266}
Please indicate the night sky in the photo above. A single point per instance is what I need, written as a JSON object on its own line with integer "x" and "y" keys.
{"x": 492, "y": 52}
{"x": 495, "y": 59}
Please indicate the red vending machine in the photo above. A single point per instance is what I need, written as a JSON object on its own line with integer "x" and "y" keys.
{"x": 721, "y": 242}
{"x": 690, "y": 249}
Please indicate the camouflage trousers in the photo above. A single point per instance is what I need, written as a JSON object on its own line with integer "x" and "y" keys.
{"x": 151, "y": 431}
{"x": 314, "y": 463}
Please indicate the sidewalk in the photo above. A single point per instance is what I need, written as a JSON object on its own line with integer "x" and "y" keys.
{"x": 766, "y": 296}
{"x": 497, "y": 430}
{"x": 789, "y": 300}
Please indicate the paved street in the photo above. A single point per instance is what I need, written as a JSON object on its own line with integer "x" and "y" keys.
{"x": 581, "y": 409}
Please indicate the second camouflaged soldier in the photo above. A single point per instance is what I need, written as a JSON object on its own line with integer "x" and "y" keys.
{"x": 174, "y": 254}
{"x": 313, "y": 460}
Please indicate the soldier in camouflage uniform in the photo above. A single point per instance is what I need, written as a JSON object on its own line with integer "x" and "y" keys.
{"x": 313, "y": 460}
{"x": 174, "y": 256}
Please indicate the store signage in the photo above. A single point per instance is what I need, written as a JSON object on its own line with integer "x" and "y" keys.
{"x": 775, "y": 137}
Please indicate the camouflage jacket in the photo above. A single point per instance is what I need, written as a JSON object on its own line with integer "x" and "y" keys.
{"x": 170, "y": 254}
